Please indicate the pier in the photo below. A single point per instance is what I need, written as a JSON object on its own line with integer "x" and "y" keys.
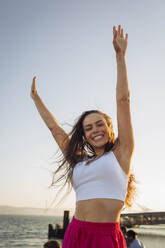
{"x": 143, "y": 218}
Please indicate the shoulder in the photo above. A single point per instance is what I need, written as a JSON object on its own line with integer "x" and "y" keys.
{"x": 81, "y": 160}
{"x": 136, "y": 244}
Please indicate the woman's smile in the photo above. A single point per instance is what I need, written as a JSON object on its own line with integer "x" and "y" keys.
{"x": 98, "y": 137}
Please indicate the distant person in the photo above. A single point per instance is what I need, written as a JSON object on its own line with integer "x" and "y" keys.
{"x": 133, "y": 242}
{"x": 124, "y": 231}
{"x": 94, "y": 162}
{"x": 52, "y": 244}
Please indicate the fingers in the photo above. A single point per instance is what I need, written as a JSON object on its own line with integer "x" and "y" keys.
{"x": 114, "y": 32}
{"x": 34, "y": 79}
{"x": 33, "y": 92}
{"x": 121, "y": 35}
{"x": 119, "y": 32}
{"x": 34, "y": 83}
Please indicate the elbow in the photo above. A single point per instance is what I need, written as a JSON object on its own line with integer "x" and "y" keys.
{"x": 123, "y": 97}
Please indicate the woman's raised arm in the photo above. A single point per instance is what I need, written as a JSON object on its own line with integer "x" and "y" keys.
{"x": 58, "y": 133}
{"x": 125, "y": 130}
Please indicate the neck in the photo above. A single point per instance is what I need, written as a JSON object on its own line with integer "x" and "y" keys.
{"x": 99, "y": 152}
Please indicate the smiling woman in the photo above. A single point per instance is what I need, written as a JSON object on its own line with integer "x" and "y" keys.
{"x": 106, "y": 183}
{"x": 96, "y": 132}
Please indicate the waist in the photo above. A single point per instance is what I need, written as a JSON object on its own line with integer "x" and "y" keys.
{"x": 99, "y": 210}
{"x": 95, "y": 226}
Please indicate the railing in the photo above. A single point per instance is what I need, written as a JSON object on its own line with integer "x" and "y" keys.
{"x": 145, "y": 218}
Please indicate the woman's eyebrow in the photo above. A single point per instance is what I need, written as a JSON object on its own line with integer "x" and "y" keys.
{"x": 89, "y": 125}
{"x": 98, "y": 121}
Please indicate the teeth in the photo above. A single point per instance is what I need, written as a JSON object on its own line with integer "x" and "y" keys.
{"x": 98, "y": 137}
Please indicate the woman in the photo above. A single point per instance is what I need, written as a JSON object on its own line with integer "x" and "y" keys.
{"x": 97, "y": 165}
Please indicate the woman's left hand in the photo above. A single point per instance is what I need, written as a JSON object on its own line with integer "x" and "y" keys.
{"x": 119, "y": 41}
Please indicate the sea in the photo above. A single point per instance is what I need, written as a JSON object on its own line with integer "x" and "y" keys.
{"x": 18, "y": 231}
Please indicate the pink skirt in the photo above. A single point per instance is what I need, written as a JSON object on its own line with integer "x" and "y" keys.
{"x": 85, "y": 234}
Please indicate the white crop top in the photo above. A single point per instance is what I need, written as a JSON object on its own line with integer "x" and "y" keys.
{"x": 102, "y": 178}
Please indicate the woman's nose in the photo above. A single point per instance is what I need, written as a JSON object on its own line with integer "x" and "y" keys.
{"x": 95, "y": 129}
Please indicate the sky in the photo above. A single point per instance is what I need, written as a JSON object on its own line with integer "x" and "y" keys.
{"x": 68, "y": 46}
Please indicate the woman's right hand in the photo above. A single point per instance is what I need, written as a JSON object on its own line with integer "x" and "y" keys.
{"x": 33, "y": 88}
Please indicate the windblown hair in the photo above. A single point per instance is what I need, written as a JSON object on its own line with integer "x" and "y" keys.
{"x": 78, "y": 149}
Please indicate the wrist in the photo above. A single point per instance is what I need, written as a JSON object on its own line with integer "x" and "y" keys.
{"x": 120, "y": 55}
{"x": 35, "y": 96}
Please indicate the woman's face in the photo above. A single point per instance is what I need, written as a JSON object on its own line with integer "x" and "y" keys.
{"x": 96, "y": 131}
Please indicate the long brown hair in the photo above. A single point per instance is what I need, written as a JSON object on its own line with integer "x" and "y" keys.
{"x": 78, "y": 149}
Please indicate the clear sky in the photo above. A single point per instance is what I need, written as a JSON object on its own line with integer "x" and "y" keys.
{"x": 67, "y": 44}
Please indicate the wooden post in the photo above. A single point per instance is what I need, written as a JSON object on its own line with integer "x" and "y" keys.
{"x": 51, "y": 231}
{"x": 65, "y": 220}
{"x": 59, "y": 232}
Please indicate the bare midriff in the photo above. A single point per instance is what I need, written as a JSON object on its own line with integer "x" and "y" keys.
{"x": 99, "y": 210}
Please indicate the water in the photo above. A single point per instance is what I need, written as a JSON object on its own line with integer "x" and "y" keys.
{"x": 31, "y": 231}
{"x": 25, "y": 231}
{"x": 152, "y": 235}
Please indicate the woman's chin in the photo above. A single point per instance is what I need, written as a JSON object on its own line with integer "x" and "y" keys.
{"x": 100, "y": 146}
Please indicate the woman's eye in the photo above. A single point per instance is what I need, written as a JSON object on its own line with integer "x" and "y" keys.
{"x": 88, "y": 129}
{"x": 100, "y": 124}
